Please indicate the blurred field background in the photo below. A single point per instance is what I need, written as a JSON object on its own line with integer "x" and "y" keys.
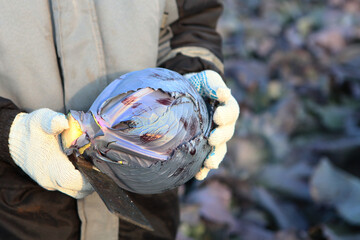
{"x": 292, "y": 171}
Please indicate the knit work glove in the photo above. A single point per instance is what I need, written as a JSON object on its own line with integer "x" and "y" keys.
{"x": 34, "y": 147}
{"x": 210, "y": 84}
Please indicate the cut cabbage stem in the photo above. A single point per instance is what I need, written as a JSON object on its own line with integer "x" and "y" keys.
{"x": 69, "y": 136}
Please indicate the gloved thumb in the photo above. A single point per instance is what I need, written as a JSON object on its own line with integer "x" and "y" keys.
{"x": 52, "y": 122}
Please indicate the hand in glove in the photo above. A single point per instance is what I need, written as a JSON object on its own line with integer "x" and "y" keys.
{"x": 34, "y": 147}
{"x": 210, "y": 84}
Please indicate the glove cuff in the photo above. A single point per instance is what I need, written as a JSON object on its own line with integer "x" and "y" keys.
{"x": 16, "y": 146}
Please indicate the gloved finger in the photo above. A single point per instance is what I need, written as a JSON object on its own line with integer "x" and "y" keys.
{"x": 53, "y": 122}
{"x": 221, "y": 134}
{"x": 73, "y": 180}
{"x": 215, "y": 157}
{"x": 202, "y": 174}
{"x": 227, "y": 113}
{"x": 65, "y": 176}
{"x": 213, "y": 160}
{"x": 222, "y": 94}
{"x": 75, "y": 194}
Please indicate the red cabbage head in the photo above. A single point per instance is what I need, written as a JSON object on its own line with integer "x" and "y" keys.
{"x": 147, "y": 130}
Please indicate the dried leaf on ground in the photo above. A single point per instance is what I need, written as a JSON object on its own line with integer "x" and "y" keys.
{"x": 286, "y": 215}
{"x": 334, "y": 187}
{"x": 214, "y": 200}
{"x": 290, "y": 180}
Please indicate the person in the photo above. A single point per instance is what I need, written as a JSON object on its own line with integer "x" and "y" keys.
{"x": 59, "y": 55}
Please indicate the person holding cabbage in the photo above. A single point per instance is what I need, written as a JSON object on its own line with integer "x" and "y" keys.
{"x": 58, "y": 56}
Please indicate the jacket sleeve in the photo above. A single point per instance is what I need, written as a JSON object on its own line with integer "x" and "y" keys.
{"x": 8, "y": 111}
{"x": 191, "y": 43}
